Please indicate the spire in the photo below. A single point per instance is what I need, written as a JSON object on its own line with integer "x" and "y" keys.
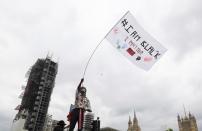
{"x": 129, "y": 122}
{"x": 184, "y": 111}
{"x": 178, "y": 117}
{"x": 189, "y": 114}
{"x": 134, "y": 114}
{"x": 135, "y": 118}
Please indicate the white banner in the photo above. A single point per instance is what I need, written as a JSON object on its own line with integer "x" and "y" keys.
{"x": 135, "y": 43}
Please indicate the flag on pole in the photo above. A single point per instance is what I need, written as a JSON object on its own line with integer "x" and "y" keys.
{"x": 135, "y": 43}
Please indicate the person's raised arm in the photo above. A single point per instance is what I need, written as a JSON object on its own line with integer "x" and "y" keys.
{"x": 79, "y": 86}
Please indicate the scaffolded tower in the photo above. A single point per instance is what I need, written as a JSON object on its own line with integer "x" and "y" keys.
{"x": 35, "y": 101}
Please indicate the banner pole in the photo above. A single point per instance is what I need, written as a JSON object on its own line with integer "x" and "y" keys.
{"x": 100, "y": 44}
{"x": 92, "y": 56}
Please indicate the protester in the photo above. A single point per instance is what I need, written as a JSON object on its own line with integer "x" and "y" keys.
{"x": 82, "y": 104}
{"x": 60, "y": 126}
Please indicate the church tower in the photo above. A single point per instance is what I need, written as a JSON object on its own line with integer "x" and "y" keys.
{"x": 188, "y": 123}
{"x": 133, "y": 126}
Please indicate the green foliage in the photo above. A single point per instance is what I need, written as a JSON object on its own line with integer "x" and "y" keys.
{"x": 169, "y": 129}
{"x": 108, "y": 129}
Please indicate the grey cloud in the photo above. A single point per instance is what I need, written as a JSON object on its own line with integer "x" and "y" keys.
{"x": 5, "y": 122}
{"x": 30, "y": 30}
{"x": 184, "y": 28}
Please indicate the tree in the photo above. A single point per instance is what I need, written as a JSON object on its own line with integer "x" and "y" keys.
{"x": 169, "y": 129}
{"x": 108, "y": 129}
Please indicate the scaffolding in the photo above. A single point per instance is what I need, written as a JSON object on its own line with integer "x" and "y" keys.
{"x": 36, "y": 97}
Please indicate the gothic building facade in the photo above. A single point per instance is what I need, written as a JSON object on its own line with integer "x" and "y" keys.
{"x": 187, "y": 123}
{"x": 133, "y": 125}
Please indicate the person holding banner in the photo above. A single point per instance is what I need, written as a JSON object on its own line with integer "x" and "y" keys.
{"x": 82, "y": 104}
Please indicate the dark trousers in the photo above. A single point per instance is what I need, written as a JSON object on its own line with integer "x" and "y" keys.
{"x": 77, "y": 115}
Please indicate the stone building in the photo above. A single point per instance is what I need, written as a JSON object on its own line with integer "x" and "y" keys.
{"x": 187, "y": 123}
{"x": 133, "y": 125}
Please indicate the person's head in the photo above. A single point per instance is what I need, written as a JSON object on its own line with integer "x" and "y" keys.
{"x": 61, "y": 123}
{"x": 83, "y": 91}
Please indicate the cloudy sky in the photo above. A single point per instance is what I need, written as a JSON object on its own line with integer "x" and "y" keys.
{"x": 72, "y": 29}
